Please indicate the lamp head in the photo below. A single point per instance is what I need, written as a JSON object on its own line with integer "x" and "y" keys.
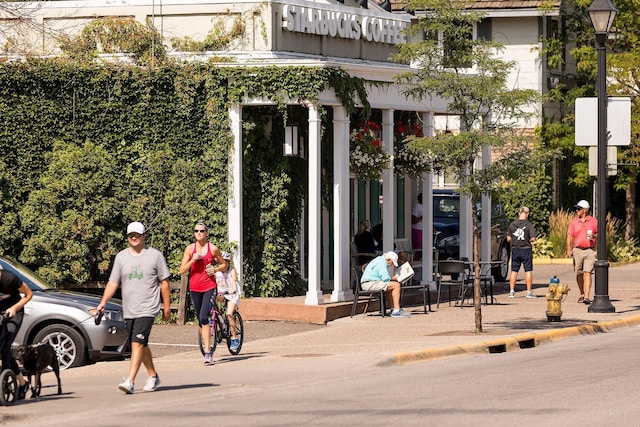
{"x": 602, "y": 14}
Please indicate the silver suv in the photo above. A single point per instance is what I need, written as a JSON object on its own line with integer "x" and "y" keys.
{"x": 63, "y": 319}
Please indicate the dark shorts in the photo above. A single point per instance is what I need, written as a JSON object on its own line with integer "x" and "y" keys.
{"x": 138, "y": 330}
{"x": 521, "y": 256}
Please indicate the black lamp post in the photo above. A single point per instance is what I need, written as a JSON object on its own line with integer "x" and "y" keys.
{"x": 602, "y": 14}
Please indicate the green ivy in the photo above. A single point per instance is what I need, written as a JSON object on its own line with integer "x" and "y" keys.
{"x": 87, "y": 148}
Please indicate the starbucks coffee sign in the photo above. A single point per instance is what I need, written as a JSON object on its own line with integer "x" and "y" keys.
{"x": 343, "y": 25}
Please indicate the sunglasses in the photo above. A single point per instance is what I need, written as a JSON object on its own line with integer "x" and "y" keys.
{"x": 199, "y": 231}
{"x": 134, "y": 235}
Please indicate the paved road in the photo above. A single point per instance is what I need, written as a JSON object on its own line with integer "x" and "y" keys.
{"x": 290, "y": 374}
{"x": 173, "y": 339}
{"x": 587, "y": 381}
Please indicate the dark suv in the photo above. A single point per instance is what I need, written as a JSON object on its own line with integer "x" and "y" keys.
{"x": 446, "y": 223}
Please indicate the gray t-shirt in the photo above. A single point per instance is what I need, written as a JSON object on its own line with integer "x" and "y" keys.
{"x": 139, "y": 277}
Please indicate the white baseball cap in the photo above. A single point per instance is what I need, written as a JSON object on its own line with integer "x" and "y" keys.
{"x": 135, "y": 227}
{"x": 392, "y": 256}
{"x": 583, "y": 204}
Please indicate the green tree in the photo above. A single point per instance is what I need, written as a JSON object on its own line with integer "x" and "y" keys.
{"x": 472, "y": 77}
{"x": 622, "y": 80}
{"x": 73, "y": 213}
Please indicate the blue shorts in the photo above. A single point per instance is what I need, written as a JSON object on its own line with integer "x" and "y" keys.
{"x": 521, "y": 256}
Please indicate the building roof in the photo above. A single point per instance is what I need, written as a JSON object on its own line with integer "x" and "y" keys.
{"x": 497, "y": 4}
{"x": 515, "y": 4}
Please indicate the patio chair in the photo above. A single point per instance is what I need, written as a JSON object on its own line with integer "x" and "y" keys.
{"x": 357, "y": 275}
{"x": 455, "y": 270}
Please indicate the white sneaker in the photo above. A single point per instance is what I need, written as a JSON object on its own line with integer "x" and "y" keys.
{"x": 208, "y": 359}
{"x": 400, "y": 313}
{"x": 512, "y": 294}
{"x": 531, "y": 295}
{"x": 126, "y": 386}
{"x": 152, "y": 383}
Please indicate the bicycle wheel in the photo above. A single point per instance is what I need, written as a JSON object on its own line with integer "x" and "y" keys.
{"x": 239, "y": 333}
{"x": 9, "y": 387}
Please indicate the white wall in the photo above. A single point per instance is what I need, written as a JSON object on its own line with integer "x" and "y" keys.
{"x": 520, "y": 38}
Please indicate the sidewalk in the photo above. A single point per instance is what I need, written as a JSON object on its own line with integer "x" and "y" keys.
{"x": 508, "y": 325}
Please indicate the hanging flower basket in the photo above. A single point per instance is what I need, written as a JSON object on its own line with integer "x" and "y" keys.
{"x": 405, "y": 160}
{"x": 368, "y": 158}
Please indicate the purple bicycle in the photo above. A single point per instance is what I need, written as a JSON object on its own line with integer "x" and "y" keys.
{"x": 220, "y": 327}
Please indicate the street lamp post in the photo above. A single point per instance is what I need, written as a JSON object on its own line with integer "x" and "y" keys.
{"x": 602, "y": 14}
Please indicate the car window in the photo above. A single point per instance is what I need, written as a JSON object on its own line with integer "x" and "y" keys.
{"x": 447, "y": 207}
{"x": 496, "y": 209}
{"x": 35, "y": 282}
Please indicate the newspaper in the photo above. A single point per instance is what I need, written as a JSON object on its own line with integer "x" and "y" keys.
{"x": 404, "y": 272}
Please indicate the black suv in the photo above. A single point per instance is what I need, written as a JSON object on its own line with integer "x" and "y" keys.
{"x": 446, "y": 223}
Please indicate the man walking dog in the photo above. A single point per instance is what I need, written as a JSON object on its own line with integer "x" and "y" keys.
{"x": 143, "y": 273}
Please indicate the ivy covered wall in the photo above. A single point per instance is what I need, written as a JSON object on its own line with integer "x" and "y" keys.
{"x": 86, "y": 149}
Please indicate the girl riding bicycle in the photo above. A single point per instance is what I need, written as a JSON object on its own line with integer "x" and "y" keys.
{"x": 229, "y": 289}
{"x": 12, "y": 311}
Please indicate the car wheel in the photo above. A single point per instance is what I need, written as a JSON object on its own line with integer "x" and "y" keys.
{"x": 68, "y": 344}
{"x": 501, "y": 271}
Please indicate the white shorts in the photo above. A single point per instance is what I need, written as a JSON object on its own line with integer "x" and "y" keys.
{"x": 232, "y": 298}
{"x": 376, "y": 285}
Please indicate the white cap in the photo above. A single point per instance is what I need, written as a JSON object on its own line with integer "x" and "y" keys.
{"x": 392, "y": 256}
{"x": 583, "y": 204}
{"x": 135, "y": 227}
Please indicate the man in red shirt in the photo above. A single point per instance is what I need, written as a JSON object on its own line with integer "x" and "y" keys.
{"x": 581, "y": 242}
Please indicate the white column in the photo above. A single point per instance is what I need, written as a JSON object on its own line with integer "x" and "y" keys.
{"x": 341, "y": 239}
{"x": 427, "y": 211}
{"x": 314, "y": 290}
{"x": 234, "y": 208}
{"x": 388, "y": 186}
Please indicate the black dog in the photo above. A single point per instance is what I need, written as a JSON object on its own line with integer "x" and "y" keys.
{"x": 35, "y": 359}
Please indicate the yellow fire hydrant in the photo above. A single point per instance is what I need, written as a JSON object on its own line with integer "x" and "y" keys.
{"x": 554, "y": 299}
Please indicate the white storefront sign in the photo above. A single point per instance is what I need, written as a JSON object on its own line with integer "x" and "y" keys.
{"x": 343, "y": 25}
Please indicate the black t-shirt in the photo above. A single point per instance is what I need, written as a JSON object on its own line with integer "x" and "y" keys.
{"x": 365, "y": 244}
{"x": 521, "y": 232}
{"x": 9, "y": 293}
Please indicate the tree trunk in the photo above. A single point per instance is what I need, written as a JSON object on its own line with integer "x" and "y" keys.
{"x": 477, "y": 293}
{"x": 630, "y": 210}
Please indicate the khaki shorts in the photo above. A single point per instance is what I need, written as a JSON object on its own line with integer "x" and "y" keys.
{"x": 377, "y": 285}
{"x": 584, "y": 260}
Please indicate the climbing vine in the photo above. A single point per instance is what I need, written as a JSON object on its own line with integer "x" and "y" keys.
{"x": 86, "y": 148}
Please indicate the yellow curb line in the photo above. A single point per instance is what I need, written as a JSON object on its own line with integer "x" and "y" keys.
{"x": 509, "y": 343}
{"x": 552, "y": 261}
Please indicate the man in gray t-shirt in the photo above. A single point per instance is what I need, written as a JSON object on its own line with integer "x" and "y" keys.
{"x": 140, "y": 276}
{"x": 143, "y": 273}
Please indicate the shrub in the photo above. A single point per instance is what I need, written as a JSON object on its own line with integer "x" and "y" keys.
{"x": 559, "y": 222}
{"x": 543, "y": 248}
{"x": 554, "y": 245}
{"x": 618, "y": 248}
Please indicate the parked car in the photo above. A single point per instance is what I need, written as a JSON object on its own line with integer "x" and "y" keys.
{"x": 63, "y": 319}
{"x": 446, "y": 223}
